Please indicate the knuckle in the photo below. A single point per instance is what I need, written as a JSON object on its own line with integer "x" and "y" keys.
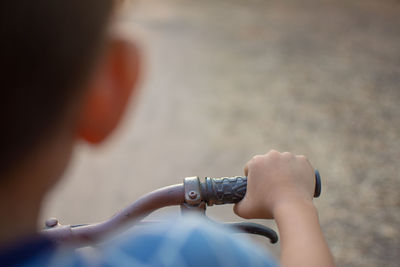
{"x": 252, "y": 164}
{"x": 274, "y": 154}
{"x": 273, "y": 151}
{"x": 256, "y": 160}
{"x": 257, "y": 157}
{"x": 301, "y": 157}
{"x": 287, "y": 155}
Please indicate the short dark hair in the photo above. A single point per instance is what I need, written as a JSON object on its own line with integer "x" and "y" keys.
{"x": 47, "y": 50}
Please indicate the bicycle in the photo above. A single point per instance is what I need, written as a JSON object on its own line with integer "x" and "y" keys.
{"x": 193, "y": 195}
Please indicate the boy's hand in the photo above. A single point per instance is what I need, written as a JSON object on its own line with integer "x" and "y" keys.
{"x": 281, "y": 186}
{"x": 275, "y": 179}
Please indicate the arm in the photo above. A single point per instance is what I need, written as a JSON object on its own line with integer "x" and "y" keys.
{"x": 303, "y": 243}
{"x": 281, "y": 187}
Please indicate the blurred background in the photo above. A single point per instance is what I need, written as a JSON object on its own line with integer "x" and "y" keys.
{"x": 225, "y": 80}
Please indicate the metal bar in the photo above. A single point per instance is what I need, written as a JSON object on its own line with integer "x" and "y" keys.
{"x": 167, "y": 196}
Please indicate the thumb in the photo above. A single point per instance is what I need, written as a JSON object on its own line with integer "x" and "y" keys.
{"x": 241, "y": 209}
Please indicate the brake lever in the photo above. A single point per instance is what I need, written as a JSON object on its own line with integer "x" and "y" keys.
{"x": 255, "y": 229}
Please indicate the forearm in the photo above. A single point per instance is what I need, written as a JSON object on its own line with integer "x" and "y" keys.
{"x": 302, "y": 240}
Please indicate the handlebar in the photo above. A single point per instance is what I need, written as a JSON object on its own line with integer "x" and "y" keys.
{"x": 194, "y": 193}
{"x": 230, "y": 190}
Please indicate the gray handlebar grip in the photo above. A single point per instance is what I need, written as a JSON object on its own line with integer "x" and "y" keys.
{"x": 228, "y": 190}
{"x": 225, "y": 190}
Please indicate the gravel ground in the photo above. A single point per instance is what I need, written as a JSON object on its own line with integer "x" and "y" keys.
{"x": 229, "y": 79}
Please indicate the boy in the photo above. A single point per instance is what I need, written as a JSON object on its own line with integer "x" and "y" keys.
{"x": 66, "y": 77}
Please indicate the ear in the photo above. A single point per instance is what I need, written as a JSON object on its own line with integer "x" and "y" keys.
{"x": 109, "y": 90}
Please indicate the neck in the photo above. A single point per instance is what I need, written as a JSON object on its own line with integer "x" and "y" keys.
{"x": 22, "y": 190}
{"x": 24, "y": 187}
{"x": 19, "y": 206}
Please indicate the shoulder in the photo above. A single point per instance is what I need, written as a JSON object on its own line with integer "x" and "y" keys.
{"x": 190, "y": 241}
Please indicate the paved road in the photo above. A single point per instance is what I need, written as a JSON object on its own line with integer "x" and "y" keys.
{"x": 229, "y": 79}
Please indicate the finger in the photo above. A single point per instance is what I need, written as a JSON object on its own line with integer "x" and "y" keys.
{"x": 272, "y": 151}
{"x": 305, "y": 160}
{"x": 240, "y": 210}
{"x": 288, "y": 155}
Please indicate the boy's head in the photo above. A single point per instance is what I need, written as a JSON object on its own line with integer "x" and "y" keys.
{"x": 63, "y": 77}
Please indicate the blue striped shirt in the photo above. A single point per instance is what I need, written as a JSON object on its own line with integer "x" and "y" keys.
{"x": 188, "y": 241}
